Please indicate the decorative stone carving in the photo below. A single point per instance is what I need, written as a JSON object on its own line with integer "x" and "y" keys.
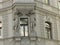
{"x": 31, "y": 12}
{"x": 27, "y": 13}
{"x": 21, "y": 12}
{"x": 15, "y": 22}
{"x": 18, "y": 13}
{"x": 24, "y": 12}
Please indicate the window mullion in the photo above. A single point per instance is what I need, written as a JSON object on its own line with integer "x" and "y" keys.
{"x": 24, "y": 30}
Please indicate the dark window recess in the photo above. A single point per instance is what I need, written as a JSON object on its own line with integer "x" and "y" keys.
{"x": 0, "y": 22}
{"x": 0, "y": 27}
{"x": 24, "y": 26}
{"x": 49, "y": 30}
{"x": 23, "y": 21}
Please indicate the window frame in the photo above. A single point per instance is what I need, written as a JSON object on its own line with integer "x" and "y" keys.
{"x": 49, "y": 30}
{"x": 24, "y": 27}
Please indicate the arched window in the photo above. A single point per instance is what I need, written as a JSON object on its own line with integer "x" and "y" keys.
{"x": 48, "y": 29}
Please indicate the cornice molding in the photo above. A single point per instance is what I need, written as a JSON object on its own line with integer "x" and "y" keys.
{"x": 46, "y": 4}
{"x": 27, "y": 4}
{"x": 5, "y": 1}
{"x": 16, "y": 5}
{"x": 48, "y": 12}
{"x": 33, "y": 38}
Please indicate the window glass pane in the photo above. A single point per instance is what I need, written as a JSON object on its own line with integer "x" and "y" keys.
{"x": 26, "y": 30}
{"x": 21, "y": 30}
{"x": 23, "y": 20}
{"x": 47, "y": 1}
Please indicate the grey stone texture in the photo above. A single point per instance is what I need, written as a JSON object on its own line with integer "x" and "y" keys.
{"x": 38, "y": 12}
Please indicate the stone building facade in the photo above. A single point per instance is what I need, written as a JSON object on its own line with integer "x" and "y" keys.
{"x": 29, "y": 22}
